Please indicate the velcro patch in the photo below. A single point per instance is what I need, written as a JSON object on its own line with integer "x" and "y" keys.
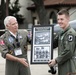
{"x": 70, "y": 37}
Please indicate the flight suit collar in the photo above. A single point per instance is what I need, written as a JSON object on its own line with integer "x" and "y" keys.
{"x": 65, "y": 30}
{"x": 11, "y": 34}
{"x": 17, "y": 36}
{"x": 8, "y": 33}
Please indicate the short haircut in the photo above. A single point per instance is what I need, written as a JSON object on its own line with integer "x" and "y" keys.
{"x": 7, "y": 19}
{"x": 63, "y": 11}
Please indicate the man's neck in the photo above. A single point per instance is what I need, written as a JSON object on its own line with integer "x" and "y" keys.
{"x": 65, "y": 27}
{"x": 14, "y": 34}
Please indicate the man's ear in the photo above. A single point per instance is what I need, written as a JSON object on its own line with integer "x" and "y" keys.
{"x": 7, "y": 25}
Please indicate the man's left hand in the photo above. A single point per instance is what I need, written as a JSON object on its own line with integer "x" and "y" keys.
{"x": 52, "y": 62}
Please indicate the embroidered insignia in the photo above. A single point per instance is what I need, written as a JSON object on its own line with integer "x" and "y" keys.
{"x": 70, "y": 37}
{"x": 11, "y": 39}
{"x": 2, "y": 42}
{"x": 20, "y": 36}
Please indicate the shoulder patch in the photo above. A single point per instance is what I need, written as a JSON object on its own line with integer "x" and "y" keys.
{"x": 2, "y": 42}
{"x": 70, "y": 37}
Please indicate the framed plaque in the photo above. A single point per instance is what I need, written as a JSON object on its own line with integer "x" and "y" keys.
{"x": 42, "y": 44}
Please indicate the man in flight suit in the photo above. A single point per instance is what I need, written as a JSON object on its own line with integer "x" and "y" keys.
{"x": 66, "y": 42}
{"x": 13, "y": 45}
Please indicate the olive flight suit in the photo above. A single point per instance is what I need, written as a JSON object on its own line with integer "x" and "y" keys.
{"x": 66, "y": 43}
{"x": 10, "y": 44}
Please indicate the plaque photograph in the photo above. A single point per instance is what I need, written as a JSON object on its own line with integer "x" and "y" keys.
{"x": 42, "y": 44}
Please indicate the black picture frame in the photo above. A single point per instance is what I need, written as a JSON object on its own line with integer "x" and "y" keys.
{"x": 42, "y": 44}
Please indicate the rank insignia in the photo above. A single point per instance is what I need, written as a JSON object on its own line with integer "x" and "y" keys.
{"x": 70, "y": 37}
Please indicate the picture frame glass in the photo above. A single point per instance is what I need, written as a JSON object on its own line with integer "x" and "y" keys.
{"x": 42, "y": 44}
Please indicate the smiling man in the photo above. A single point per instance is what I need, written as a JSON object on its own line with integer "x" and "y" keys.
{"x": 66, "y": 43}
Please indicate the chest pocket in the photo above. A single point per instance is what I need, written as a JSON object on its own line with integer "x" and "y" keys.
{"x": 9, "y": 44}
{"x": 22, "y": 40}
{"x": 62, "y": 41}
{"x": 65, "y": 42}
{"x": 68, "y": 41}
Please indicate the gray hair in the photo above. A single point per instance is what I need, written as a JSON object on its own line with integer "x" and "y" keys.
{"x": 7, "y": 19}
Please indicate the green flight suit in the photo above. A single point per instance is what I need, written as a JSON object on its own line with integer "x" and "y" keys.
{"x": 66, "y": 43}
{"x": 8, "y": 43}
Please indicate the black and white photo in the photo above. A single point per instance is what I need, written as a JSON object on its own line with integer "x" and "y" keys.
{"x": 41, "y": 44}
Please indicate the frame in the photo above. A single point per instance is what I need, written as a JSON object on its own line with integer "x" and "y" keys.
{"x": 42, "y": 44}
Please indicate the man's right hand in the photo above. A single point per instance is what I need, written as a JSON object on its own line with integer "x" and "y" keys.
{"x": 23, "y": 61}
{"x": 13, "y": 58}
